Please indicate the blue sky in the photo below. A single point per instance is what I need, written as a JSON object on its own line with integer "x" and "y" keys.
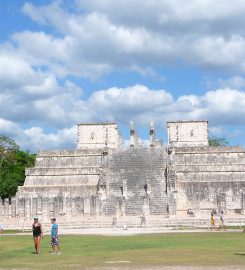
{"x": 64, "y": 62}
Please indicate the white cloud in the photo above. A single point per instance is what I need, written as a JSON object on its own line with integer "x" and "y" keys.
{"x": 222, "y": 107}
{"x": 166, "y": 10}
{"x": 8, "y": 127}
{"x": 36, "y": 139}
{"x": 34, "y": 96}
{"x": 102, "y": 36}
{"x": 236, "y": 82}
{"x": 98, "y": 37}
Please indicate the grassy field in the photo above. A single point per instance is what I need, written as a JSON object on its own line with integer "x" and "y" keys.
{"x": 79, "y": 252}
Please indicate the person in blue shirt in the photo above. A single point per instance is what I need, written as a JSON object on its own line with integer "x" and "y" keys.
{"x": 1, "y": 229}
{"x": 54, "y": 236}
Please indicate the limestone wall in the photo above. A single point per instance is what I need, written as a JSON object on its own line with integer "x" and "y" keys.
{"x": 98, "y": 136}
{"x": 101, "y": 180}
{"x": 61, "y": 184}
{"x": 187, "y": 133}
{"x": 59, "y": 201}
{"x": 209, "y": 178}
{"x": 79, "y": 167}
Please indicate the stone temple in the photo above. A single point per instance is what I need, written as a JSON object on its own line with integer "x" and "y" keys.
{"x": 101, "y": 183}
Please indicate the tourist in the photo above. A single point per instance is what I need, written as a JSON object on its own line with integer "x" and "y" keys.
{"x": 1, "y": 229}
{"x": 37, "y": 234}
{"x": 212, "y": 221}
{"x": 114, "y": 223}
{"x": 55, "y": 237}
{"x": 222, "y": 223}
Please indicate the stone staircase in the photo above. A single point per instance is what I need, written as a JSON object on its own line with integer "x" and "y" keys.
{"x": 110, "y": 207}
{"x": 158, "y": 204}
{"x": 134, "y": 175}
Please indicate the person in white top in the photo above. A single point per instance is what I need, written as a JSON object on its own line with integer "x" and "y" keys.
{"x": 222, "y": 222}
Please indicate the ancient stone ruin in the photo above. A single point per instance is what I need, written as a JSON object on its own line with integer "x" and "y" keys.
{"x": 101, "y": 184}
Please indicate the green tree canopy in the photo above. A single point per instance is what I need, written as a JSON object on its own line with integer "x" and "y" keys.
{"x": 13, "y": 162}
{"x": 216, "y": 141}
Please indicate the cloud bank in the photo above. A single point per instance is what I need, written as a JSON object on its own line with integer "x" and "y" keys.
{"x": 41, "y": 101}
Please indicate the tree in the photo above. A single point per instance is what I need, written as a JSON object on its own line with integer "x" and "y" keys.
{"x": 7, "y": 148}
{"x": 216, "y": 141}
{"x": 13, "y": 162}
{"x": 7, "y": 144}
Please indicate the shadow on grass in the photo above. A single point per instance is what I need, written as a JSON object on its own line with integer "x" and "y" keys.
{"x": 239, "y": 253}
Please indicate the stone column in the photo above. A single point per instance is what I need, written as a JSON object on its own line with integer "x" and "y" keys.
{"x": 6, "y": 208}
{"x": 125, "y": 189}
{"x": 45, "y": 212}
{"x": 1, "y": 208}
{"x": 65, "y": 205}
{"x": 97, "y": 206}
{"x": 28, "y": 209}
{"x": 123, "y": 208}
{"x": 13, "y": 207}
{"x": 146, "y": 206}
{"x": 172, "y": 205}
{"x": 39, "y": 207}
{"x": 243, "y": 203}
{"x": 133, "y": 135}
{"x": 87, "y": 205}
{"x": 152, "y": 135}
{"x": 51, "y": 207}
{"x": 73, "y": 207}
{"x": 34, "y": 206}
{"x": 21, "y": 208}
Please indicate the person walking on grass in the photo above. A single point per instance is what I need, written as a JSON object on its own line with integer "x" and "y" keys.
{"x": 222, "y": 222}
{"x": 1, "y": 229}
{"x": 37, "y": 234}
{"x": 55, "y": 237}
{"x": 212, "y": 221}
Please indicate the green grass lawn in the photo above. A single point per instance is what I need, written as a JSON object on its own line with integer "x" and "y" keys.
{"x": 196, "y": 249}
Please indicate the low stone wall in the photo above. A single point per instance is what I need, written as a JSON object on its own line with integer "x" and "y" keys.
{"x": 130, "y": 222}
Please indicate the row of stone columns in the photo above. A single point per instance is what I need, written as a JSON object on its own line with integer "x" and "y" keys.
{"x": 45, "y": 208}
{"x": 6, "y": 209}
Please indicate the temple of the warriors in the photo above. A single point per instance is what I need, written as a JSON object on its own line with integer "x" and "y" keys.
{"x": 101, "y": 183}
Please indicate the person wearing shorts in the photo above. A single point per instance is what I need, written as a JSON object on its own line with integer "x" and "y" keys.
{"x": 55, "y": 237}
{"x": 221, "y": 221}
{"x": 37, "y": 234}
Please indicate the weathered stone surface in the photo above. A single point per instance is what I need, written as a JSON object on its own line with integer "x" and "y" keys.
{"x": 98, "y": 135}
{"x": 101, "y": 183}
{"x": 187, "y": 133}
{"x": 135, "y": 180}
{"x": 209, "y": 178}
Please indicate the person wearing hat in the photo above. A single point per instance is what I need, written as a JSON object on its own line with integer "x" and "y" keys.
{"x": 37, "y": 234}
{"x": 54, "y": 236}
